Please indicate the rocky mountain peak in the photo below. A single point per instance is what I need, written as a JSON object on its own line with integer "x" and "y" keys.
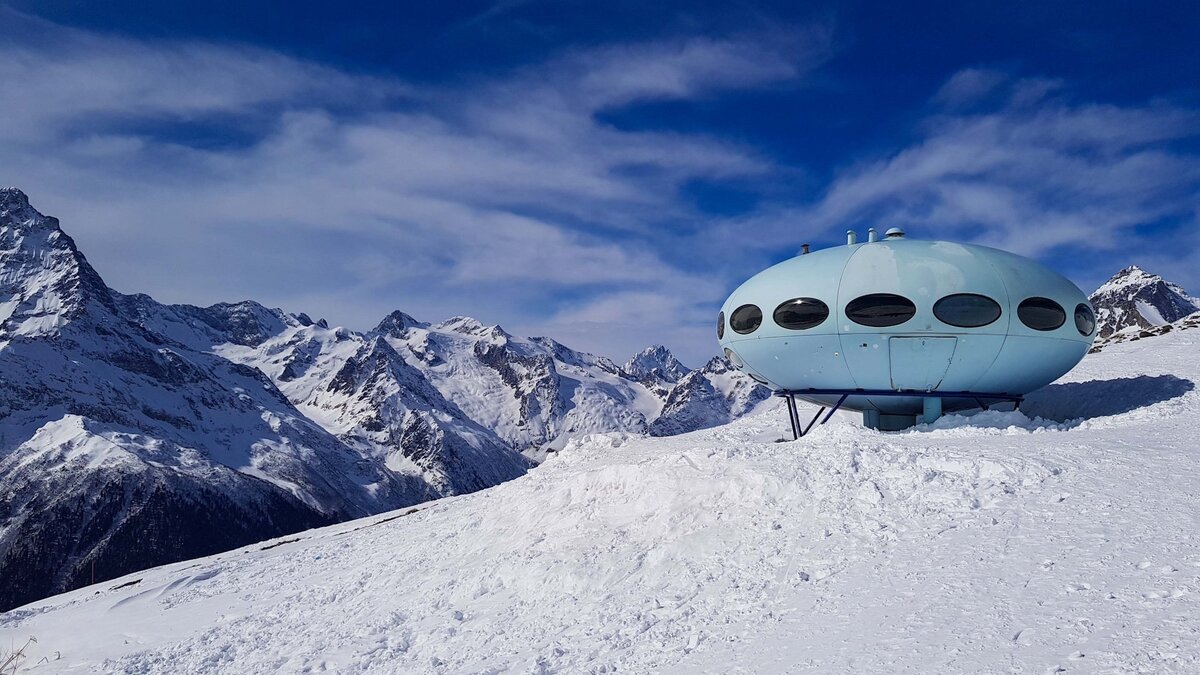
{"x": 467, "y": 325}
{"x": 12, "y": 199}
{"x": 463, "y": 324}
{"x": 655, "y": 361}
{"x": 1134, "y": 299}
{"x": 18, "y": 215}
{"x": 45, "y": 281}
{"x": 397, "y": 324}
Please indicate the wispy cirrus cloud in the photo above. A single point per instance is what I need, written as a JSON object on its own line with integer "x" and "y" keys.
{"x": 969, "y": 86}
{"x": 1029, "y": 174}
{"x": 204, "y": 172}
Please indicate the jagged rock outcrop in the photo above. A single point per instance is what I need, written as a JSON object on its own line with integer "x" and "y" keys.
{"x": 1134, "y": 300}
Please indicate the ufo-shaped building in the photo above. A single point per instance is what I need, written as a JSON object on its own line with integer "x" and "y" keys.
{"x": 904, "y": 329}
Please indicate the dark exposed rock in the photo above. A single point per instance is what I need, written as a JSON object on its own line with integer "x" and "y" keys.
{"x": 1136, "y": 299}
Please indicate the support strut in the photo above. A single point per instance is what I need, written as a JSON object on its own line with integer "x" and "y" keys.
{"x": 798, "y": 431}
{"x": 794, "y": 417}
{"x": 814, "y": 420}
{"x": 835, "y": 407}
{"x": 932, "y": 405}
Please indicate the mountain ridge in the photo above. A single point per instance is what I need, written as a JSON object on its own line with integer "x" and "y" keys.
{"x": 1134, "y": 300}
{"x": 121, "y": 415}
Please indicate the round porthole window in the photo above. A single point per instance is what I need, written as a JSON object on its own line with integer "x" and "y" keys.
{"x": 734, "y": 358}
{"x": 745, "y": 319}
{"x": 880, "y": 310}
{"x": 1041, "y": 313}
{"x": 720, "y": 325}
{"x": 967, "y": 310}
{"x": 1085, "y": 319}
{"x": 801, "y": 313}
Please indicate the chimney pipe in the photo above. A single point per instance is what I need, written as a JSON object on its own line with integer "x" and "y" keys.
{"x": 804, "y": 249}
{"x": 851, "y": 238}
{"x": 872, "y": 235}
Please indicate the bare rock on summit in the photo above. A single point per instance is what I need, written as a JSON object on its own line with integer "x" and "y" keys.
{"x": 1134, "y": 300}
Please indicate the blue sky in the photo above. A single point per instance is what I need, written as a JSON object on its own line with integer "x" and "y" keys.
{"x": 603, "y": 173}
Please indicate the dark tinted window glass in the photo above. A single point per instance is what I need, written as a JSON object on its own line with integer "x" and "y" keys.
{"x": 801, "y": 313}
{"x": 880, "y": 310}
{"x": 721, "y": 325}
{"x": 966, "y": 310}
{"x": 745, "y": 319}
{"x": 1041, "y": 313}
{"x": 1085, "y": 320}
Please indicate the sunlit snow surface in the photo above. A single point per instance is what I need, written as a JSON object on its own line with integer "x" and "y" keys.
{"x": 1067, "y": 538}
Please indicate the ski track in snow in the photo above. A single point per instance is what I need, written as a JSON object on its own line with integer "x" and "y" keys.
{"x": 997, "y": 542}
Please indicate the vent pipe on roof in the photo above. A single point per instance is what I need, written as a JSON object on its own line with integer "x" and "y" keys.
{"x": 894, "y": 233}
{"x": 872, "y": 235}
{"x": 803, "y": 249}
{"x": 851, "y": 238}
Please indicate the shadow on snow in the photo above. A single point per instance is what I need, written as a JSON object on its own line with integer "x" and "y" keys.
{"x": 1102, "y": 398}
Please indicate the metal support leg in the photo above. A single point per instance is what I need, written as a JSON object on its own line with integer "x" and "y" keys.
{"x": 813, "y": 422}
{"x": 835, "y": 407}
{"x": 933, "y": 409}
{"x": 794, "y": 417}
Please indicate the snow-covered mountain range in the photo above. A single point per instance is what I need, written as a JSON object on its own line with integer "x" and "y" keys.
{"x": 1134, "y": 300}
{"x": 134, "y": 433}
{"x": 1057, "y": 538}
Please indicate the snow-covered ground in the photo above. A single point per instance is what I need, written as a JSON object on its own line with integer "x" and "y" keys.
{"x": 1000, "y": 542}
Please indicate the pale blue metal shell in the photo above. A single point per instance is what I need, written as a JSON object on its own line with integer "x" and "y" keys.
{"x": 923, "y": 353}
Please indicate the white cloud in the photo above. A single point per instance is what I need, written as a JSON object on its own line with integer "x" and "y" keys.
{"x": 969, "y": 86}
{"x": 683, "y": 69}
{"x": 349, "y": 196}
{"x": 1028, "y": 179}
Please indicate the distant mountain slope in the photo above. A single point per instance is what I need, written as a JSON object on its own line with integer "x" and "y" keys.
{"x": 1134, "y": 300}
{"x": 362, "y": 390}
{"x": 135, "y": 433}
{"x": 715, "y": 392}
{"x": 113, "y": 437}
{"x": 531, "y": 392}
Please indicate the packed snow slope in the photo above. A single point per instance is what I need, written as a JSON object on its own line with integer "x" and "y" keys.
{"x": 1060, "y": 538}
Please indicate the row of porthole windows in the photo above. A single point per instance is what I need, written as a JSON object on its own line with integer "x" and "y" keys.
{"x": 882, "y": 310}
